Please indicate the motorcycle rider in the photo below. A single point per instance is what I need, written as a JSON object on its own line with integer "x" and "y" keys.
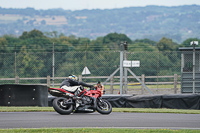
{"x": 73, "y": 85}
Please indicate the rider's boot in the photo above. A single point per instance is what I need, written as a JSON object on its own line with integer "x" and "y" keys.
{"x": 76, "y": 94}
{"x": 77, "y": 98}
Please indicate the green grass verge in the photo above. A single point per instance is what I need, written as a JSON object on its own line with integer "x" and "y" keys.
{"x": 130, "y": 110}
{"x": 96, "y": 130}
{"x": 25, "y": 109}
{"x": 159, "y": 86}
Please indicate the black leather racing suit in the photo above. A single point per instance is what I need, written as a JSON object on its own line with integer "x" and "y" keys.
{"x": 70, "y": 82}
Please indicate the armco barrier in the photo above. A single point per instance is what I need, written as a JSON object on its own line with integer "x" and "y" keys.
{"x": 23, "y": 95}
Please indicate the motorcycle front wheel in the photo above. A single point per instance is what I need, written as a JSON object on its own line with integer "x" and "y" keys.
{"x": 103, "y": 106}
{"x": 60, "y": 105}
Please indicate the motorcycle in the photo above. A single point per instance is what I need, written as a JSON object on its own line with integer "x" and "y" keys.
{"x": 88, "y": 101}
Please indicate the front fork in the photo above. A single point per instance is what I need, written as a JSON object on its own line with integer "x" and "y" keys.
{"x": 101, "y": 102}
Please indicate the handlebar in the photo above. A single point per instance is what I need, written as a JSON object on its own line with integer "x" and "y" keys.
{"x": 93, "y": 88}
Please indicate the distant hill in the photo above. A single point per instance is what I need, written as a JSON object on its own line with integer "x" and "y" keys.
{"x": 152, "y": 22}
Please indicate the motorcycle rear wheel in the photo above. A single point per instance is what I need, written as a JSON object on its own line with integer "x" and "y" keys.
{"x": 60, "y": 106}
{"x": 104, "y": 107}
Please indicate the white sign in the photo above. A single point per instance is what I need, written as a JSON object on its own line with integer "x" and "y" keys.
{"x": 126, "y": 63}
{"x": 194, "y": 42}
{"x": 136, "y": 63}
{"x": 86, "y": 71}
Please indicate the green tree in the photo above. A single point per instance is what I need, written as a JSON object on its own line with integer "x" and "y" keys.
{"x": 24, "y": 35}
{"x": 186, "y": 43}
{"x": 13, "y": 43}
{"x": 117, "y": 38}
{"x": 166, "y": 44}
{"x": 140, "y": 46}
{"x": 3, "y": 44}
{"x": 43, "y": 22}
{"x": 29, "y": 65}
{"x": 32, "y": 34}
{"x": 147, "y": 41}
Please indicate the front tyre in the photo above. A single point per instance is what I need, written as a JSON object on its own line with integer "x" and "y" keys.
{"x": 103, "y": 106}
{"x": 60, "y": 106}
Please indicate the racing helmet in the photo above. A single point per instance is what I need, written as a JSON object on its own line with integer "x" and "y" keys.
{"x": 73, "y": 77}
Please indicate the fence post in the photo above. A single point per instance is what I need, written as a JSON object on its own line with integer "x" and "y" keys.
{"x": 143, "y": 80}
{"x": 16, "y": 79}
{"x": 48, "y": 81}
{"x": 121, "y": 67}
{"x": 80, "y": 78}
{"x": 111, "y": 84}
{"x": 175, "y": 83}
{"x": 15, "y": 64}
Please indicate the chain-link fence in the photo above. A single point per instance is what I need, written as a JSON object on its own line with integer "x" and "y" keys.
{"x": 161, "y": 71}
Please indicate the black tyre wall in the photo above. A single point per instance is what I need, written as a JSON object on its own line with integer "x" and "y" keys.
{"x": 23, "y": 95}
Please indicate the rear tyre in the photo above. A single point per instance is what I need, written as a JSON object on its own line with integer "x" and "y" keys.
{"x": 104, "y": 107}
{"x": 62, "y": 108}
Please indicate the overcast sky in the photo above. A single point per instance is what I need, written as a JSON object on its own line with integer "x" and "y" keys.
{"x": 91, "y": 4}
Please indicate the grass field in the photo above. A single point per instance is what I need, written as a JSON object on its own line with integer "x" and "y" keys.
{"x": 136, "y": 89}
{"x": 159, "y": 86}
{"x": 55, "y": 20}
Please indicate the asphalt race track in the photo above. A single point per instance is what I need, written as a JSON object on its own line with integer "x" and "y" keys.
{"x": 114, "y": 120}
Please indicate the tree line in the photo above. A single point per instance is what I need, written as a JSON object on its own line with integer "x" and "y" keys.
{"x": 37, "y": 41}
{"x": 34, "y": 54}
